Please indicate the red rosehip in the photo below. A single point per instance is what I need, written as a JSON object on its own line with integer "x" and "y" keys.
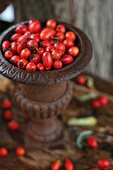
{"x": 45, "y": 43}
{"x": 8, "y": 115}
{"x": 15, "y": 36}
{"x": 69, "y": 164}
{"x": 60, "y": 28}
{"x": 73, "y": 51}
{"x": 56, "y": 54}
{"x": 25, "y": 53}
{"x": 34, "y": 27}
{"x": 40, "y": 67}
{"x": 51, "y": 23}
{"x": 14, "y": 47}
{"x": 95, "y": 104}
{"x": 68, "y": 43}
{"x": 21, "y": 46}
{"x": 103, "y": 100}
{"x": 22, "y": 39}
{"x": 40, "y": 50}
{"x": 60, "y": 36}
{"x": 56, "y": 165}
{"x": 6, "y": 104}
{"x": 71, "y": 35}
{"x": 60, "y": 46}
{"x": 91, "y": 142}
{"x": 50, "y": 48}
{"x": 35, "y": 37}
{"x": 67, "y": 59}
{"x": 20, "y": 151}
{"x": 3, "y": 152}
{"x": 103, "y": 163}
{"x": 8, "y": 54}
{"x": 32, "y": 44}
{"x": 47, "y": 33}
{"x": 32, "y": 20}
{"x": 27, "y": 34}
{"x": 35, "y": 58}
{"x": 15, "y": 59}
{"x": 13, "y": 125}
{"x": 57, "y": 64}
{"x": 94, "y": 169}
{"x": 6, "y": 45}
{"x": 80, "y": 80}
{"x": 31, "y": 66}
{"x": 47, "y": 60}
{"x": 21, "y": 29}
{"x": 22, "y": 63}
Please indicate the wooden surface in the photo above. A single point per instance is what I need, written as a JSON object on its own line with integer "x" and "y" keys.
{"x": 41, "y": 159}
{"x": 94, "y": 17}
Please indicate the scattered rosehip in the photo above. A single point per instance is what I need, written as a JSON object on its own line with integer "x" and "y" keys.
{"x": 20, "y": 151}
{"x": 3, "y": 152}
{"x": 56, "y": 165}
{"x": 91, "y": 142}
{"x": 103, "y": 100}
{"x": 95, "y": 104}
{"x": 13, "y": 125}
{"x": 69, "y": 164}
{"x": 8, "y": 114}
{"x": 6, "y": 104}
{"x": 103, "y": 163}
{"x": 80, "y": 80}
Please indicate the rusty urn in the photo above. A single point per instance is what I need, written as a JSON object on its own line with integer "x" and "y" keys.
{"x": 43, "y": 96}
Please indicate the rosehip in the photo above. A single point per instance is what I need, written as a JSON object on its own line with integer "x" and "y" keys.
{"x": 57, "y": 64}
{"x": 40, "y": 50}
{"x": 51, "y": 23}
{"x": 60, "y": 36}
{"x": 73, "y": 51}
{"x": 8, "y": 115}
{"x": 80, "y": 80}
{"x": 40, "y": 66}
{"x": 103, "y": 163}
{"x": 13, "y": 125}
{"x": 68, "y": 43}
{"x": 21, "y": 46}
{"x": 3, "y": 152}
{"x": 47, "y": 60}
{"x": 45, "y": 43}
{"x": 20, "y": 151}
{"x": 34, "y": 27}
{"x": 47, "y": 33}
{"x": 35, "y": 37}
{"x": 8, "y": 54}
{"x": 91, "y": 142}
{"x": 56, "y": 54}
{"x": 35, "y": 58}
{"x": 27, "y": 34}
{"x": 60, "y": 46}
{"x": 56, "y": 165}
{"x": 15, "y": 59}
{"x": 67, "y": 59}
{"x": 103, "y": 100}
{"x": 71, "y": 35}
{"x": 5, "y": 45}
{"x": 32, "y": 20}
{"x": 31, "y": 66}
{"x": 14, "y": 46}
{"x": 25, "y": 53}
{"x": 22, "y": 63}
{"x": 95, "y": 104}
{"x": 50, "y": 48}
{"x": 15, "y": 36}
{"x": 6, "y": 104}
{"x": 69, "y": 164}
{"x": 32, "y": 44}
{"x": 22, "y": 39}
{"x": 21, "y": 29}
{"x": 60, "y": 28}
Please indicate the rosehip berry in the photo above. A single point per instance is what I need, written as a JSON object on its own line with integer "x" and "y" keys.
{"x": 32, "y": 44}
{"x": 47, "y": 60}
{"x": 80, "y": 80}
{"x": 5, "y": 45}
{"x": 6, "y": 104}
{"x": 40, "y": 66}
{"x": 40, "y": 50}
{"x": 50, "y": 48}
{"x": 8, "y": 115}
{"x": 13, "y": 125}
{"x": 68, "y": 43}
{"x": 21, "y": 29}
{"x": 8, "y": 54}
{"x": 67, "y": 59}
{"x": 15, "y": 59}
{"x": 56, "y": 54}
{"x": 22, "y": 63}
{"x": 71, "y": 35}
{"x": 31, "y": 66}
{"x": 14, "y": 47}
{"x": 20, "y": 151}
{"x": 51, "y": 23}
{"x": 60, "y": 28}
{"x": 60, "y": 46}
{"x": 103, "y": 100}
{"x": 21, "y": 46}
{"x": 73, "y": 51}
{"x": 94, "y": 169}
{"x": 103, "y": 163}
{"x": 22, "y": 39}
{"x": 32, "y": 20}
{"x": 25, "y": 53}
{"x": 35, "y": 37}
{"x": 45, "y": 43}
{"x": 34, "y": 27}
{"x": 57, "y": 64}
{"x": 60, "y": 36}
{"x": 69, "y": 164}
{"x": 91, "y": 142}
{"x": 47, "y": 33}
{"x": 27, "y": 34}
{"x": 56, "y": 165}
{"x": 35, "y": 58}
{"x": 95, "y": 104}
{"x": 15, "y": 36}
{"x": 3, "y": 152}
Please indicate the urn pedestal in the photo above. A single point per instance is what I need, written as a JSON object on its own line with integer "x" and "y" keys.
{"x": 43, "y": 96}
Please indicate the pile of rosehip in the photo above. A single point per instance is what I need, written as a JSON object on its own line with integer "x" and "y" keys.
{"x": 35, "y": 47}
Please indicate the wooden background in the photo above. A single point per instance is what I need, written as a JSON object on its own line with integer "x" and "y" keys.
{"x": 94, "y": 17}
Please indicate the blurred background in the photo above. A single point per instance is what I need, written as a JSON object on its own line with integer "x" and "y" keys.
{"x": 94, "y": 17}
